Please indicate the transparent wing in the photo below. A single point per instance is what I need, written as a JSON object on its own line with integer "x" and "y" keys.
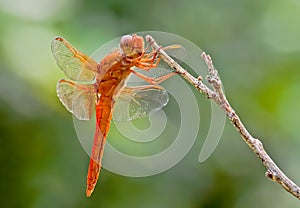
{"x": 75, "y": 64}
{"x": 137, "y": 102}
{"x": 79, "y": 99}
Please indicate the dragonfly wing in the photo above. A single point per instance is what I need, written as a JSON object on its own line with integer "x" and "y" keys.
{"x": 75, "y": 64}
{"x": 137, "y": 102}
{"x": 79, "y": 99}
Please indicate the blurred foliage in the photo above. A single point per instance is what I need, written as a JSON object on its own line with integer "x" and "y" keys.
{"x": 255, "y": 45}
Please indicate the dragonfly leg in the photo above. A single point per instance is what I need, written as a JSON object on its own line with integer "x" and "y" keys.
{"x": 151, "y": 56}
{"x": 145, "y": 62}
{"x": 148, "y": 60}
{"x": 147, "y": 65}
{"x": 151, "y": 80}
{"x": 146, "y": 56}
{"x": 153, "y": 53}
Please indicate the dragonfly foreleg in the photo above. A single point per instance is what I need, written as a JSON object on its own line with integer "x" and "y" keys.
{"x": 148, "y": 64}
{"x": 154, "y": 81}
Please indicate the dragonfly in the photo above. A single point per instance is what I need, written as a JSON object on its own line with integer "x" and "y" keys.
{"x": 101, "y": 88}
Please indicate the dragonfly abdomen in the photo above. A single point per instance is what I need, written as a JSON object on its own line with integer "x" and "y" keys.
{"x": 103, "y": 118}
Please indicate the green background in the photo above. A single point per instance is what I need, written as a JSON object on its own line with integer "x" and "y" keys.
{"x": 256, "y": 47}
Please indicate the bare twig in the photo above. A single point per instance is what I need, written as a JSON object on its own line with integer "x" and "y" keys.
{"x": 218, "y": 96}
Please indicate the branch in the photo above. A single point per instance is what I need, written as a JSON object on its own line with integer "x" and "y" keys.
{"x": 218, "y": 96}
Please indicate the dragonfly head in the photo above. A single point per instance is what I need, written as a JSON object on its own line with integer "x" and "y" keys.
{"x": 132, "y": 45}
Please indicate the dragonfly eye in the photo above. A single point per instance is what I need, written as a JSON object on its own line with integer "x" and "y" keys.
{"x": 132, "y": 45}
{"x": 126, "y": 44}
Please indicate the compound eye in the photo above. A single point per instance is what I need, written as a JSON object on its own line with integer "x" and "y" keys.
{"x": 126, "y": 44}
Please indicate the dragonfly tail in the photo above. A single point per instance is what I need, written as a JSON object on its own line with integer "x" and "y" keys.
{"x": 92, "y": 177}
{"x": 103, "y": 118}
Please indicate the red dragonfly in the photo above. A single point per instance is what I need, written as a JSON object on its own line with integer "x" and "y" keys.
{"x": 99, "y": 86}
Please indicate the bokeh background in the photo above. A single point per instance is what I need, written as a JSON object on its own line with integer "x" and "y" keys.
{"x": 255, "y": 45}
